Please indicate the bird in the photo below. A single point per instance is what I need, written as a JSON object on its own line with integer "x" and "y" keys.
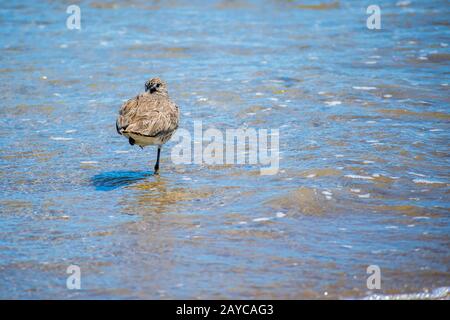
{"x": 150, "y": 118}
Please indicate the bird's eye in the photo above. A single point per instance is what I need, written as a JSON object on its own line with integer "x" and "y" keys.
{"x": 158, "y": 85}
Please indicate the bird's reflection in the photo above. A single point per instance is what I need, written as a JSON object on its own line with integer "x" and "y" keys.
{"x": 164, "y": 219}
{"x": 156, "y": 196}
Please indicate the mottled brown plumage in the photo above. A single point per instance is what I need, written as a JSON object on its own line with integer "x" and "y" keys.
{"x": 150, "y": 118}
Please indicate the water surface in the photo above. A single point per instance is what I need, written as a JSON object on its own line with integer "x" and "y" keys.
{"x": 363, "y": 118}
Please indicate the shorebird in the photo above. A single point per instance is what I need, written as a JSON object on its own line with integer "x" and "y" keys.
{"x": 150, "y": 118}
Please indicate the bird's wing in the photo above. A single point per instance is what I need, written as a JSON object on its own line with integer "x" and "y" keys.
{"x": 148, "y": 117}
{"x": 126, "y": 114}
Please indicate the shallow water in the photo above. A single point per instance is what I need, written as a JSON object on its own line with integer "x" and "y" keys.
{"x": 363, "y": 118}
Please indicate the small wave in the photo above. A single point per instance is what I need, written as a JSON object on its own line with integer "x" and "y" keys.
{"x": 424, "y": 181}
{"x": 61, "y": 138}
{"x": 280, "y": 215}
{"x": 355, "y": 176}
{"x": 438, "y": 293}
{"x": 416, "y": 174}
{"x": 88, "y": 162}
{"x": 403, "y": 3}
{"x": 364, "y": 88}
{"x": 333, "y": 103}
{"x": 364, "y": 196}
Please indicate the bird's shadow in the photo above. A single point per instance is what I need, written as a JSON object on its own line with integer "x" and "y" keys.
{"x": 111, "y": 180}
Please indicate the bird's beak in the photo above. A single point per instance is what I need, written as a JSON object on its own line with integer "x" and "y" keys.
{"x": 152, "y": 88}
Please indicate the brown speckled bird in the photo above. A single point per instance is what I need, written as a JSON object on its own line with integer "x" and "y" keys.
{"x": 150, "y": 118}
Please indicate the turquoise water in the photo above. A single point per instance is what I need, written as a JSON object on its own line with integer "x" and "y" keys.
{"x": 363, "y": 119}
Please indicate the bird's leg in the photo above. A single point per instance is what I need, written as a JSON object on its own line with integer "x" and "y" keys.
{"x": 157, "y": 160}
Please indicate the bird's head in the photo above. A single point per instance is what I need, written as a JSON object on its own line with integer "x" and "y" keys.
{"x": 156, "y": 85}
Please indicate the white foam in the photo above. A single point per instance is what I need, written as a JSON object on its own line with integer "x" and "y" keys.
{"x": 403, "y": 3}
{"x": 438, "y": 293}
{"x": 280, "y": 215}
{"x": 333, "y": 103}
{"x": 355, "y": 176}
{"x": 424, "y": 181}
{"x": 261, "y": 219}
{"x": 365, "y": 196}
{"x": 61, "y": 138}
{"x": 421, "y": 218}
{"x": 364, "y": 88}
{"x": 417, "y": 174}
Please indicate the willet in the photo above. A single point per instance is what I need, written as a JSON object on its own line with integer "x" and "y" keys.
{"x": 150, "y": 118}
